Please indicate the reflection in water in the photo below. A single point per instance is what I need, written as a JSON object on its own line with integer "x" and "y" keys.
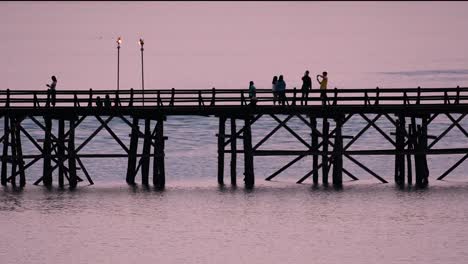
{"x": 200, "y": 222}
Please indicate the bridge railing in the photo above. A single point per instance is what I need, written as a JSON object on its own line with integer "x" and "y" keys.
{"x": 229, "y": 97}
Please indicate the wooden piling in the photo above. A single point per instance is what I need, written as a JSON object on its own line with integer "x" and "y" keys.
{"x": 145, "y": 159}
{"x": 410, "y": 146}
{"x": 61, "y": 151}
{"x": 159, "y": 174}
{"x": 248, "y": 154}
{"x": 19, "y": 152}
{"x": 233, "y": 151}
{"x": 314, "y": 145}
{"x": 6, "y": 143}
{"x": 221, "y": 138}
{"x": 13, "y": 151}
{"x": 72, "y": 155}
{"x": 47, "y": 148}
{"x": 132, "y": 153}
{"x": 326, "y": 126}
{"x": 338, "y": 154}
{"x": 400, "y": 158}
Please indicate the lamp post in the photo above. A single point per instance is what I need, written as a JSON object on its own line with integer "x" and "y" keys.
{"x": 119, "y": 41}
{"x": 142, "y": 71}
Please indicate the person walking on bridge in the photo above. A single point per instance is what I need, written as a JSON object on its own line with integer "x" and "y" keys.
{"x": 323, "y": 86}
{"x": 273, "y": 89}
{"x": 306, "y": 87}
{"x": 51, "y": 91}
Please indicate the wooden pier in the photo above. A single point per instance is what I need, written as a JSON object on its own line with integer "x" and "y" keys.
{"x": 410, "y": 111}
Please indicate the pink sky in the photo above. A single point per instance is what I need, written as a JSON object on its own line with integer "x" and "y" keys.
{"x": 227, "y": 44}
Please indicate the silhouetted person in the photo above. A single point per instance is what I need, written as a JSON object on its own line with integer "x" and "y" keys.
{"x": 107, "y": 101}
{"x": 323, "y": 86}
{"x": 306, "y": 87}
{"x": 51, "y": 91}
{"x": 273, "y": 89}
{"x": 281, "y": 89}
{"x": 98, "y": 102}
{"x": 252, "y": 93}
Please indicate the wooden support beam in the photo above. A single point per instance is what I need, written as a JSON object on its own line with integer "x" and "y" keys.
{"x": 47, "y": 147}
{"x": 248, "y": 155}
{"x": 233, "y": 153}
{"x": 400, "y": 158}
{"x": 454, "y": 166}
{"x": 314, "y": 147}
{"x": 6, "y": 143}
{"x": 338, "y": 154}
{"x": 159, "y": 173}
{"x": 61, "y": 151}
{"x": 222, "y": 132}
{"x": 117, "y": 139}
{"x": 446, "y": 131}
{"x": 291, "y": 131}
{"x": 19, "y": 152}
{"x": 145, "y": 159}
{"x": 132, "y": 152}
{"x": 325, "y": 127}
{"x": 72, "y": 156}
{"x": 285, "y": 167}
{"x": 272, "y": 132}
{"x": 13, "y": 151}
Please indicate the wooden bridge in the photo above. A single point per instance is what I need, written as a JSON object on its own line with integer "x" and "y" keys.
{"x": 410, "y": 111}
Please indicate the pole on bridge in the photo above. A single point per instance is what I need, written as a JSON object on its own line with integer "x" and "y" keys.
{"x": 248, "y": 154}
{"x": 6, "y": 143}
{"x": 132, "y": 154}
{"x": 47, "y": 148}
{"x": 159, "y": 174}
{"x": 221, "y": 139}
{"x": 145, "y": 159}
{"x": 13, "y": 150}
{"x": 233, "y": 151}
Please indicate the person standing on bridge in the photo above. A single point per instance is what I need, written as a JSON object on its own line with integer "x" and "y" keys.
{"x": 306, "y": 87}
{"x": 51, "y": 92}
{"x": 273, "y": 89}
{"x": 323, "y": 85}
{"x": 281, "y": 90}
{"x": 252, "y": 93}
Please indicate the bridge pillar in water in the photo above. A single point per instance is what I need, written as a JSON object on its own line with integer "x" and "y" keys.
{"x": 338, "y": 154}
{"x": 422, "y": 170}
{"x": 233, "y": 151}
{"x": 132, "y": 155}
{"x": 159, "y": 174}
{"x": 145, "y": 159}
{"x": 6, "y": 143}
{"x": 221, "y": 139}
{"x": 72, "y": 156}
{"x": 325, "y": 136}
{"x": 47, "y": 150}
{"x": 314, "y": 146}
{"x": 248, "y": 154}
{"x": 400, "y": 157}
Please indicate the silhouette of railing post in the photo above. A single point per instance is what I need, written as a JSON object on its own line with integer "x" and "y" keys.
{"x": 233, "y": 151}
{"x": 221, "y": 138}
{"x": 159, "y": 174}
{"x": 248, "y": 154}
{"x": 90, "y": 98}
{"x": 172, "y": 97}
{"x": 132, "y": 154}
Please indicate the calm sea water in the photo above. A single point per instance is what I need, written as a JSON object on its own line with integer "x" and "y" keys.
{"x": 226, "y": 44}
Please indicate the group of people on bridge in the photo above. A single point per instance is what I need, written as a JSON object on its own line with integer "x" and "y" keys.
{"x": 279, "y": 88}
